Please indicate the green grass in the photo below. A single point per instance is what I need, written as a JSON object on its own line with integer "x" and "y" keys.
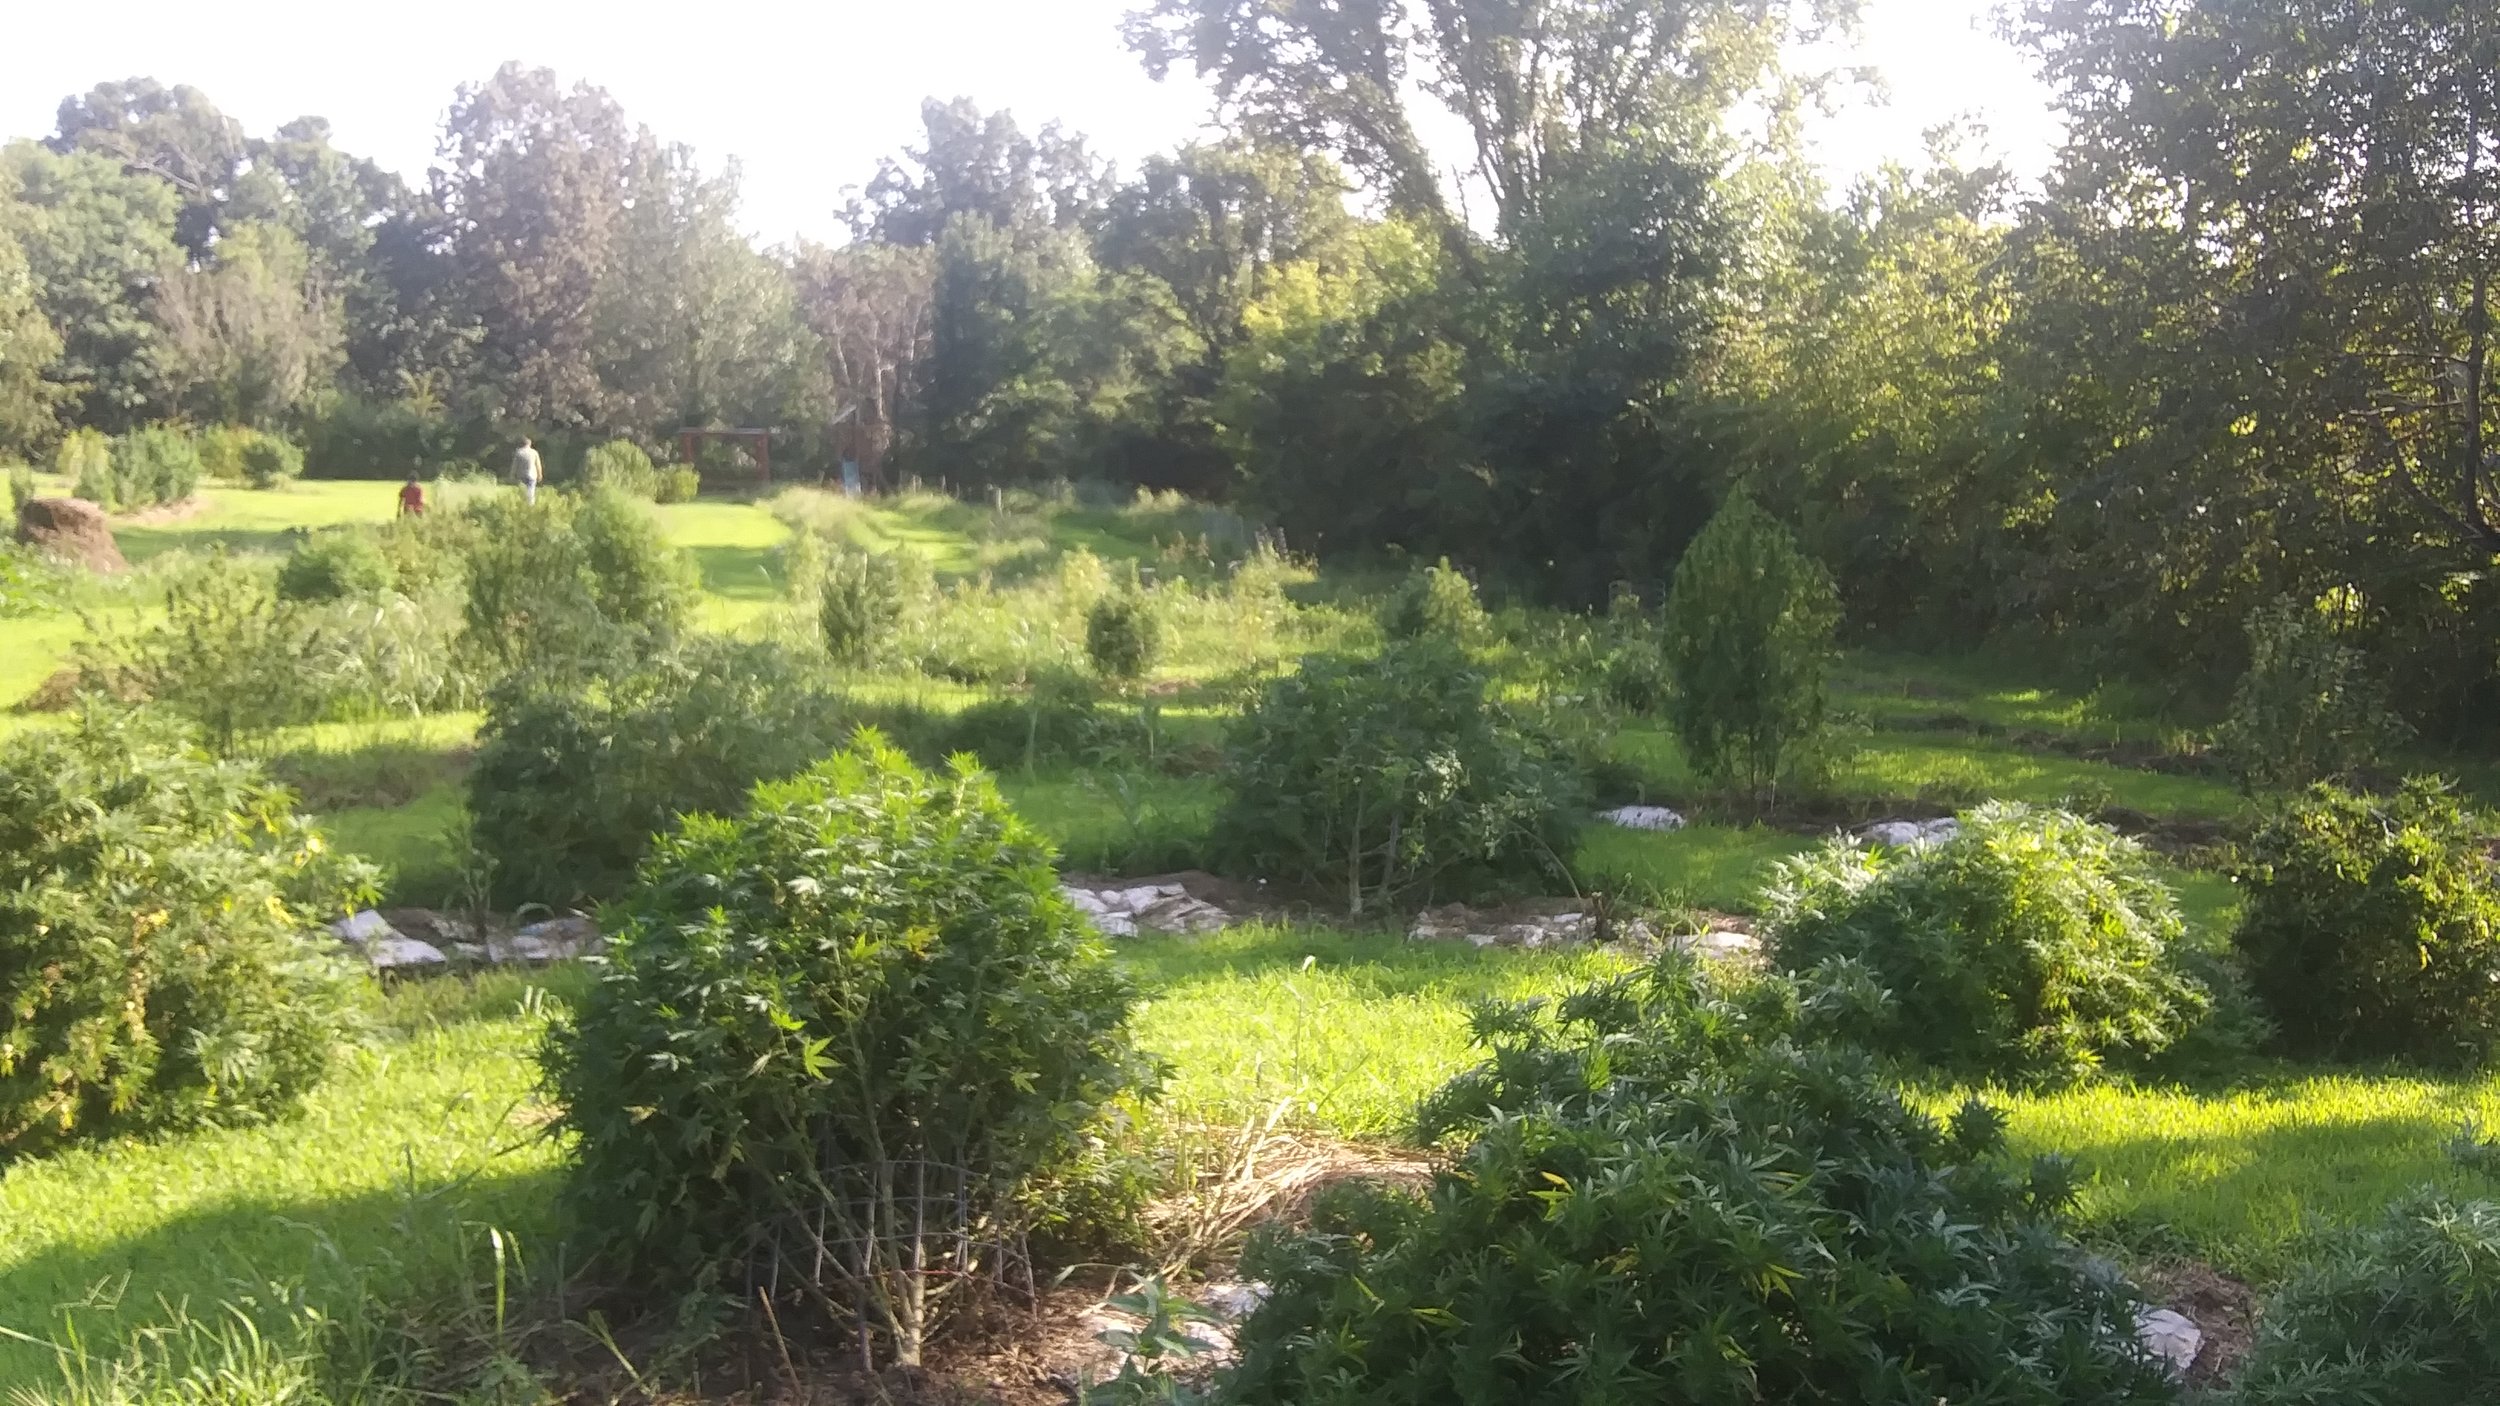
{"x": 2238, "y": 1177}
{"x": 1349, "y": 1029}
{"x": 429, "y": 1128}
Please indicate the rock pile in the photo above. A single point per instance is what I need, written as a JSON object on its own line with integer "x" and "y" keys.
{"x": 411, "y": 939}
{"x": 1643, "y": 818}
{"x": 1563, "y": 922}
{"x": 1899, "y": 834}
{"x": 1147, "y": 906}
{"x": 70, "y": 530}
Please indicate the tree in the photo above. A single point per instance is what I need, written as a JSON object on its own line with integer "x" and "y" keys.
{"x": 982, "y": 165}
{"x": 28, "y": 348}
{"x": 250, "y": 336}
{"x": 97, "y": 241}
{"x": 1748, "y": 642}
{"x": 173, "y": 134}
{"x": 869, "y": 305}
{"x": 533, "y": 187}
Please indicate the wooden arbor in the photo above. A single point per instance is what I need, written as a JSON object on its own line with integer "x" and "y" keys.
{"x": 758, "y": 444}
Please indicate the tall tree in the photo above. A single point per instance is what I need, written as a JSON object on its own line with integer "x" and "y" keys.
{"x": 972, "y": 163}
{"x": 98, "y": 241}
{"x": 28, "y": 348}
{"x": 174, "y": 134}
{"x": 533, "y": 188}
{"x": 251, "y": 335}
{"x": 869, "y": 304}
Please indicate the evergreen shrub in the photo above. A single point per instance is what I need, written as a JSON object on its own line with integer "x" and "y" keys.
{"x": 1394, "y": 776}
{"x": 859, "y": 603}
{"x": 620, "y": 464}
{"x": 2370, "y": 925}
{"x": 858, "y": 1014}
{"x": 2035, "y": 946}
{"x": 161, "y": 963}
{"x": 154, "y": 465}
{"x": 1436, "y": 601}
{"x": 1748, "y": 640}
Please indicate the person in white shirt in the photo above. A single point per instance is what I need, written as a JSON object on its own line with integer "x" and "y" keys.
{"x": 526, "y": 468}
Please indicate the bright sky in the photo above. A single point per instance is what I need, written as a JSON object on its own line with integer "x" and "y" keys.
{"x": 807, "y": 96}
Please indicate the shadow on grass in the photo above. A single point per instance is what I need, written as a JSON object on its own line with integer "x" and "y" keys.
{"x": 373, "y": 1251}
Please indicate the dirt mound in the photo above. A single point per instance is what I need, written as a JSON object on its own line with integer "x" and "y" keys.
{"x": 69, "y": 529}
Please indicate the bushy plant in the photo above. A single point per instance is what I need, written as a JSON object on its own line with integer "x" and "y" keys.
{"x": 269, "y": 461}
{"x": 221, "y": 451}
{"x": 84, "y": 458}
{"x": 1380, "y": 778}
{"x": 21, "y": 486}
{"x": 569, "y": 582}
{"x": 154, "y": 465}
{"x": 2371, "y": 925}
{"x": 573, "y": 778}
{"x": 1123, "y": 635}
{"x": 2405, "y": 1311}
{"x": 228, "y": 654}
{"x": 1748, "y": 641}
{"x": 2309, "y": 708}
{"x": 2033, "y": 946}
{"x": 1668, "y": 1197}
{"x": 678, "y": 483}
{"x": 860, "y": 1014}
{"x": 620, "y": 464}
{"x": 1633, "y": 676}
{"x": 160, "y": 959}
{"x": 351, "y": 437}
{"x": 859, "y": 603}
{"x": 335, "y": 565}
{"x": 1436, "y": 601}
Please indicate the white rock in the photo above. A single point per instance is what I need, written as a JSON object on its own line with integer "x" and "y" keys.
{"x": 1642, "y": 818}
{"x": 362, "y": 928}
{"x": 1894, "y": 833}
{"x": 1227, "y": 1299}
{"x": 1719, "y": 943}
{"x": 1085, "y": 899}
{"x": 1183, "y": 914}
{"x": 394, "y": 952}
{"x": 1483, "y": 939}
{"x": 1115, "y": 925}
{"x": 1939, "y": 831}
{"x": 1144, "y": 895}
{"x": 2170, "y": 1337}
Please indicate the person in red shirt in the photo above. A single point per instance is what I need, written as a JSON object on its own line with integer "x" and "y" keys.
{"x": 412, "y": 498}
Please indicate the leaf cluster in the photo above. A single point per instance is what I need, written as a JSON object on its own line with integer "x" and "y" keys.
{"x": 814, "y": 1014}
{"x": 1393, "y": 776}
{"x": 1667, "y": 1197}
{"x": 160, "y": 959}
{"x": 2406, "y": 1310}
{"x": 2371, "y": 925}
{"x": 2034, "y": 946}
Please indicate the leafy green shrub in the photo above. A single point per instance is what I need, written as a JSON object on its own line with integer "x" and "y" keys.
{"x": 336, "y": 565}
{"x": 351, "y": 437}
{"x": 678, "y": 483}
{"x": 2371, "y": 925}
{"x": 571, "y": 581}
{"x": 1748, "y": 642}
{"x": 1122, "y": 635}
{"x": 1633, "y": 676}
{"x": 84, "y": 458}
{"x": 2406, "y": 1311}
{"x": 1436, "y": 601}
{"x": 228, "y": 654}
{"x": 21, "y": 486}
{"x": 221, "y": 451}
{"x": 29, "y": 584}
{"x": 1702, "y": 1211}
{"x": 160, "y": 963}
{"x": 573, "y": 778}
{"x": 859, "y": 1014}
{"x": 859, "y": 603}
{"x": 2308, "y": 709}
{"x": 1390, "y": 776}
{"x": 269, "y": 461}
{"x": 2034, "y": 945}
{"x": 620, "y": 464}
{"x": 154, "y": 465}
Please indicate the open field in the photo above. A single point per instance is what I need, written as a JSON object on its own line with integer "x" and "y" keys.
{"x": 432, "y": 1132}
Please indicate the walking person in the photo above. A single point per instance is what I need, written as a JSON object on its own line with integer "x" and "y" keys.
{"x": 412, "y": 497}
{"x": 526, "y": 468}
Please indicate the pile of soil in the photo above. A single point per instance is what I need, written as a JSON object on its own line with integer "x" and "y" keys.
{"x": 70, "y": 530}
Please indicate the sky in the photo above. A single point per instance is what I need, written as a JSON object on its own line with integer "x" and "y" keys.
{"x": 807, "y": 96}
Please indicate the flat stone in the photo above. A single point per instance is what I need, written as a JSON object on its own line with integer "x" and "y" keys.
{"x": 396, "y": 953}
{"x": 1086, "y": 899}
{"x": 1182, "y": 914}
{"x": 1643, "y": 818}
{"x": 1900, "y": 834}
{"x": 2169, "y": 1336}
{"x": 1115, "y": 924}
{"x": 361, "y": 928}
{"x": 1144, "y": 895}
{"x": 1719, "y": 943}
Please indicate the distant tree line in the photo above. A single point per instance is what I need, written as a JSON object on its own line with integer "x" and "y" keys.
{"x": 2236, "y": 350}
